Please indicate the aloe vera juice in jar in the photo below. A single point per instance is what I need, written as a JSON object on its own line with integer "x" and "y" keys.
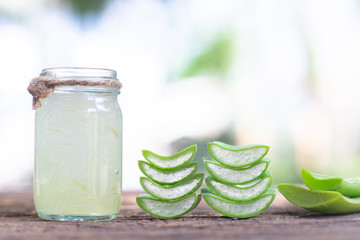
{"x": 78, "y": 151}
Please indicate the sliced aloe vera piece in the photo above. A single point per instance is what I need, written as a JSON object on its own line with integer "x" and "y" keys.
{"x": 329, "y": 202}
{"x": 237, "y": 156}
{"x": 166, "y": 209}
{"x": 244, "y": 192}
{"x": 349, "y": 187}
{"x": 236, "y": 175}
{"x": 237, "y": 209}
{"x": 171, "y": 162}
{"x": 171, "y": 176}
{"x": 172, "y": 192}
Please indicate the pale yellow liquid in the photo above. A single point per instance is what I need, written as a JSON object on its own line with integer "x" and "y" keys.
{"x": 78, "y": 155}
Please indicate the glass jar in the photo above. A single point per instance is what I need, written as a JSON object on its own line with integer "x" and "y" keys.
{"x": 78, "y": 149}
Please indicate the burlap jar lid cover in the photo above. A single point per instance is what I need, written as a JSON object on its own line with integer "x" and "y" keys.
{"x": 42, "y": 87}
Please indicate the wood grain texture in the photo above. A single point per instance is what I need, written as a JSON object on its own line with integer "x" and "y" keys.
{"x": 282, "y": 220}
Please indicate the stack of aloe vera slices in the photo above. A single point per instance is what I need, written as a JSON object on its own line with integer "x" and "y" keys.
{"x": 170, "y": 183}
{"x": 238, "y": 185}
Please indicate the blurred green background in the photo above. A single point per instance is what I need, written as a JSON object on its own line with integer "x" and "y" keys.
{"x": 281, "y": 73}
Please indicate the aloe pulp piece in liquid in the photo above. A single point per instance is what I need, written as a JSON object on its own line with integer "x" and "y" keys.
{"x": 172, "y": 192}
{"x": 167, "y": 176}
{"x": 233, "y": 175}
{"x": 349, "y": 187}
{"x": 166, "y": 209}
{"x": 176, "y": 160}
{"x": 237, "y": 156}
{"x": 236, "y": 209}
{"x": 329, "y": 202}
{"x": 240, "y": 192}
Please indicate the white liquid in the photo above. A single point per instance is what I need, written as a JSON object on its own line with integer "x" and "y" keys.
{"x": 78, "y": 153}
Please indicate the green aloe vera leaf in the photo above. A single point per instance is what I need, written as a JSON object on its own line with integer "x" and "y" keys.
{"x": 172, "y": 192}
{"x": 244, "y": 192}
{"x": 329, "y": 202}
{"x": 197, "y": 202}
{"x": 237, "y": 156}
{"x": 171, "y": 176}
{"x": 176, "y": 160}
{"x": 236, "y": 209}
{"x": 232, "y": 175}
{"x": 349, "y": 187}
{"x": 167, "y": 209}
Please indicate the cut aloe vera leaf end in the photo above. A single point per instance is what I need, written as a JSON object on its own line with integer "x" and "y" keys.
{"x": 237, "y": 156}
{"x": 236, "y": 175}
{"x": 349, "y": 187}
{"x": 170, "y": 162}
{"x": 329, "y": 202}
{"x": 172, "y": 192}
{"x": 240, "y": 192}
{"x": 168, "y": 209}
{"x": 237, "y": 209}
{"x": 171, "y": 176}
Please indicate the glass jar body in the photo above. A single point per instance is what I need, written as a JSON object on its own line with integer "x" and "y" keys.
{"x": 78, "y": 156}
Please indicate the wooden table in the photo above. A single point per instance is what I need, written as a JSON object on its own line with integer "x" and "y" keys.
{"x": 282, "y": 220}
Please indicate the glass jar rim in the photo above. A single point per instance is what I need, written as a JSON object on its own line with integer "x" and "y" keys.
{"x": 79, "y": 73}
{"x": 82, "y": 74}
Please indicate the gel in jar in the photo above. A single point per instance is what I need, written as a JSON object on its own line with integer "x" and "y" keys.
{"x": 78, "y": 149}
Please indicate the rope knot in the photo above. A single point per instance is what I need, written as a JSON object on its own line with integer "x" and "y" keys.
{"x": 42, "y": 87}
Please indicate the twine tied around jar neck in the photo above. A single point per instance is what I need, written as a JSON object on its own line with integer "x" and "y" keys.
{"x": 42, "y": 87}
